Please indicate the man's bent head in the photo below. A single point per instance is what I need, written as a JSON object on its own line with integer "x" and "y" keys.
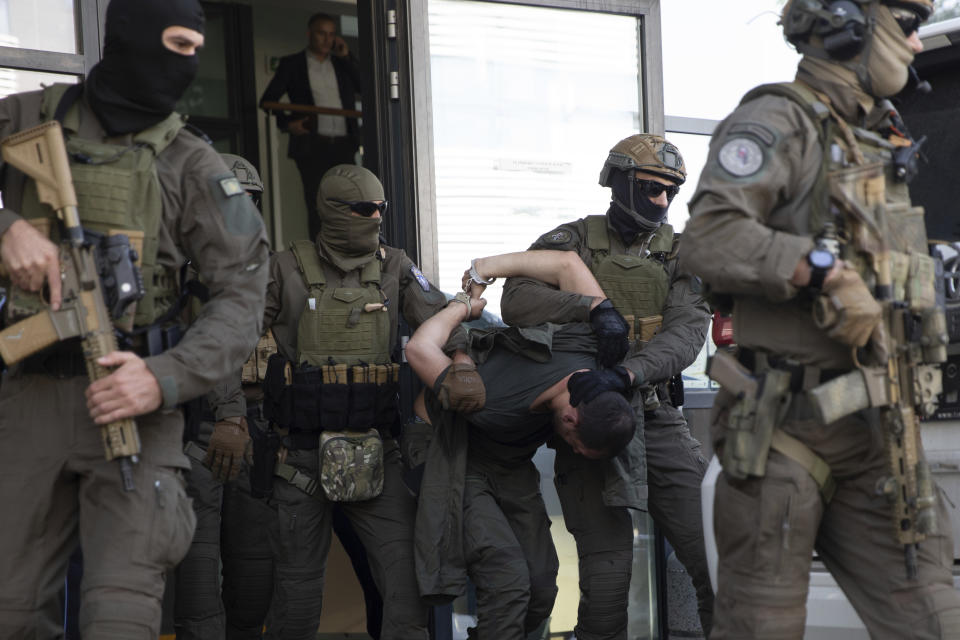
{"x": 598, "y": 429}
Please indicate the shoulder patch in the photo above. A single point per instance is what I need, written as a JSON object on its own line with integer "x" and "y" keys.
{"x": 561, "y": 236}
{"x": 239, "y": 215}
{"x": 741, "y": 157}
{"x": 421, "y": 279}
{"x": 231, "y": 186}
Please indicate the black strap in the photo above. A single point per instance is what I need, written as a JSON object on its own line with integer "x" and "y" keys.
{"x": 67, "y": 100}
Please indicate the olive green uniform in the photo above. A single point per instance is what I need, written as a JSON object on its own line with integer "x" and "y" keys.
{"x": 751, "y": 225}
{"x": 385, "y": 523}
{"x": 232, "y": 528}
{"x": 53, "y": 474}
{"x": 662, "y": 468}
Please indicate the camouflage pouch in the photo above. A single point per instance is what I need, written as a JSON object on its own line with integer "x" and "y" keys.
{"x": 751, "y": 423}
{"x": 351, "y": 465}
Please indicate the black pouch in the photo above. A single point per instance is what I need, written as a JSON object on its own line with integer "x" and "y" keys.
{"x": 334, "y": 398}
{"x": 388, "y": 389}
{"x": 675, "y": 390}
{"x": 305, "y": 399}
{"x": 363, "y": 398}
{"x": 266, "y": 444}
{"x": 276, "y": 396}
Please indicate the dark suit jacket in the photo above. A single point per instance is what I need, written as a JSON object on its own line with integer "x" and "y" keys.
{"x": 291, "y": 78}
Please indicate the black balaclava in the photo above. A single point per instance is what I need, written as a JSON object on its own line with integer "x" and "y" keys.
{"x": 138, "y": 81}
{"x": 632, "y": 213}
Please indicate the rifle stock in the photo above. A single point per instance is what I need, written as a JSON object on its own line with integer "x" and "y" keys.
{"x": 41, "y": 154}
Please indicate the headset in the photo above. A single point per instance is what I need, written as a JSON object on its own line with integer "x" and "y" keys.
{"x": 841, "y": 24}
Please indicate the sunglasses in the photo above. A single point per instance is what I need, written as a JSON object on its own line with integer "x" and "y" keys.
{"x": 363, "y": 207}
{"x": 653, "y": 189}
{"x": 908, "y": 20}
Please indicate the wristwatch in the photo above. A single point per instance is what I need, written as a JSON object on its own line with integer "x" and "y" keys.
{"x": 820, "y": 261}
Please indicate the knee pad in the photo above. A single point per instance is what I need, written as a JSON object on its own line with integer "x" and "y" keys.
{"x": 604, "y": 595}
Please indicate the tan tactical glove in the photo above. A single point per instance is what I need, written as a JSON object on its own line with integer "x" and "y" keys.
{"x": 462, "y": 389}
{"x": 228, "y": 444}
{"x": 846, "y": 309}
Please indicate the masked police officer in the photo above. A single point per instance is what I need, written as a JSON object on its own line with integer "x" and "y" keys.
{"x": 232, "y": 525}
{"x": 632, "y": 253}
{"x": 331, "y": 392}
{"x": 802, "y": 222}
{"x": 138, "y": 172}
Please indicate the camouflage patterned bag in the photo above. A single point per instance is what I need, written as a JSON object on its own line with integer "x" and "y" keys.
{"x": 351, "y": 465}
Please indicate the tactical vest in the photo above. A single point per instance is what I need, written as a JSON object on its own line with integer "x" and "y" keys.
{"x": 637, "y": 286}
{"x": 118, "y": 191}
{"x": 337, "y": 324}
{"x": 866, "y": 190}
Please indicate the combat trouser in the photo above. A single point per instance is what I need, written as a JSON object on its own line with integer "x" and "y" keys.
{"x": 767, "y": 529}
{"x": 232, "y": 528}
{"x": 57, "y": 489}
{"x": 302, "y": 540}
{"x": 604, "y": 534}
{"x": 508, "y": 549}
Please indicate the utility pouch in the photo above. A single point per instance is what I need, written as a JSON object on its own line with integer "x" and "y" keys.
{"x": 334, "y": 398}
{"x": 643, "y": 329}
{"x": 860, "y": 389}
{"x": 277, "y": 398}
{"x": 363, "y": 398}
{"x": 762, "y": 402}
{"x": 266, "y": 444}
{"x": 388, "y": 388}
{"x": 351, "y": 465}
{"x": 305, "y": 399}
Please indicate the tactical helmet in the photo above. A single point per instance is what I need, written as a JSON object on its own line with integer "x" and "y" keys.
{"x": 245, "y": 172}
{"x": 644, "y": 152}
{"x": 841, "y": 26}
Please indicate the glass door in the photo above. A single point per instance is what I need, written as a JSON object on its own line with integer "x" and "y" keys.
{"x": 525, "y": 100}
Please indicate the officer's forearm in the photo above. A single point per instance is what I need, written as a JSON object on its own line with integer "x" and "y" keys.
{"x": 425, "y": 349}
{"x": 527, "y": 302}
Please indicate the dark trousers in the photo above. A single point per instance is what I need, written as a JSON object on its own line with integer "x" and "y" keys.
{"x": 324, "y": 154}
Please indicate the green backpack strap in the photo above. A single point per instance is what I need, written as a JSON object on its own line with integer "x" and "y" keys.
{"x": 597, "y": 238}
{"x": 160, "y": 135}
{"x": 820, "y": 114}
{"x": 49, "y": 102}
{"x": 662, "y": 241}
{"x": 371, "y": 272}
{"x": 309, "y": 263}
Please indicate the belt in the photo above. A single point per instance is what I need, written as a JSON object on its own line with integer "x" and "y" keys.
{"x": 802, "y": 376}
{"x": 61, "y": 363}
{"x": 330, "y": 139}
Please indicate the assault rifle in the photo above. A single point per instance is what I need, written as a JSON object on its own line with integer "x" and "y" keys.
{"x": 899, "y": 374}
{"x": 41, "y": 154}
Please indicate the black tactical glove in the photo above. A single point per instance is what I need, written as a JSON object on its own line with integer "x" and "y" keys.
{"x": 611, "y": 331}
{"x": 587, "y": 385}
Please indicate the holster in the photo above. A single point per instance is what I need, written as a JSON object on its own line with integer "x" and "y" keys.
{"x": 762, "y": 403}
{"x": 266, "y": 444}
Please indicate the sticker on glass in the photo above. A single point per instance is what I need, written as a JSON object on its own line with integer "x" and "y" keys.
{"x": 741, "y": 157}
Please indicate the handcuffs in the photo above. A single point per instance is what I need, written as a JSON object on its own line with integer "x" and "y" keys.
{"x": 476, "y": 278}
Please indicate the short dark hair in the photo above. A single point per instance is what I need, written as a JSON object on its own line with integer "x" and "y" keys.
{"x": 607, "y": 423}
{"x": 317, "y": 17}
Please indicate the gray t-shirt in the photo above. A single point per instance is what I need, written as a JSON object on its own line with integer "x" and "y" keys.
{"x": 506, "y": 428}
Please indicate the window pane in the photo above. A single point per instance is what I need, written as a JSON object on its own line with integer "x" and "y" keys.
{"x": 48, "y": 25}
{"x": 714, "y": 52}
{"x": 15, "y": 80}
{"x": 523, "y": 119}
{"x": 946, "y": 9}
{"x": 694, "y": 149}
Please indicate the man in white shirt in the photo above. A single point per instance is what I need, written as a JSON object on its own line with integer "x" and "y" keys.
{"x": 324, "y": 74}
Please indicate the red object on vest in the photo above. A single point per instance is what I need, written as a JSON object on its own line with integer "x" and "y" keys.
{"x": 722, "y": 331}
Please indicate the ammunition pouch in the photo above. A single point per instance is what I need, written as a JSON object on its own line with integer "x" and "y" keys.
{"x": 305, "y": 400}
{"x": 351, "y": 465}
{"x": 266, "y": 444}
